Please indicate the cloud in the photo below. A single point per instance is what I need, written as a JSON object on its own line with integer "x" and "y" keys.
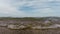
{"x": 7, "y": 9}
{"x": 29, "y": 8}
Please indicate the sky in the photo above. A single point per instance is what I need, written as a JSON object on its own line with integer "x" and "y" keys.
{"x": 29, "y": 8}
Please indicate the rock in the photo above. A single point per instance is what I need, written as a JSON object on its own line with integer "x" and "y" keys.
{"x": 3, "y": 25}
{"x": 13, "y": 26}
{"x": 16, "y": 27}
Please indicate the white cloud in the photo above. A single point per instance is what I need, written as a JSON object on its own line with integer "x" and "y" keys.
{"x": 7, "y": 9}
{"x": 10, "y": 8}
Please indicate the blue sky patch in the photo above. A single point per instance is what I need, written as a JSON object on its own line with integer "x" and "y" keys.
{"x": 27, "y": 8}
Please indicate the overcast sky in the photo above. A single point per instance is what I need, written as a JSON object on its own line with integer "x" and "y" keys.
{"x": 29, "y": 8}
